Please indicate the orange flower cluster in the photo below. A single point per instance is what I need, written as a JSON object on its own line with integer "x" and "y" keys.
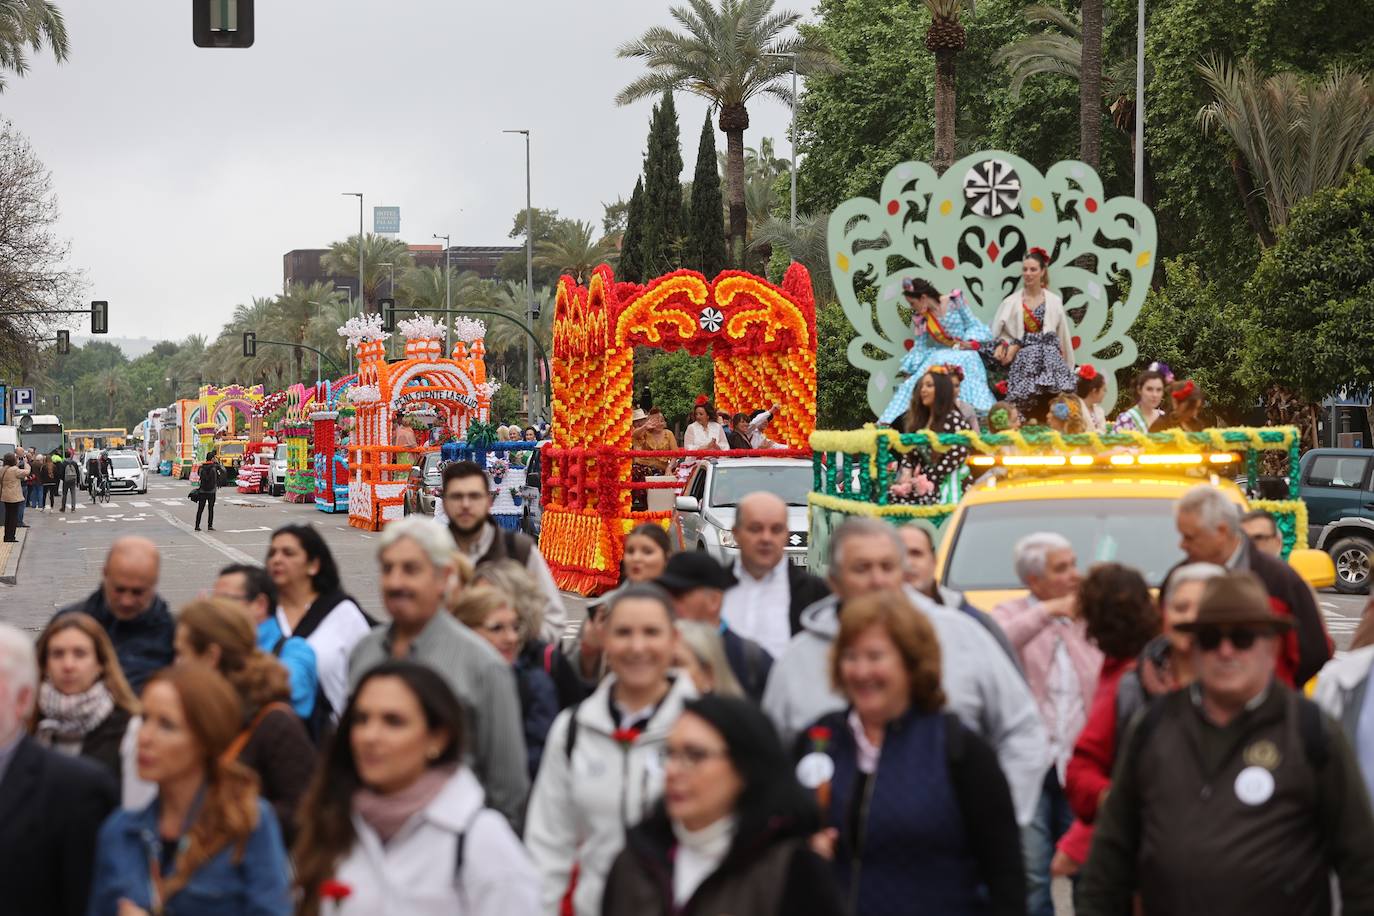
{"x": 763, "y": 340}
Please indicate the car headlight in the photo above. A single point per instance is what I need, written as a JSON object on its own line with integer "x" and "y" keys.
{"x": 727, "y": 538}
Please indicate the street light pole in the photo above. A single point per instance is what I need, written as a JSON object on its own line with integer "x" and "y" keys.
{"x": 792, "y": 130}
{"x": 1140, "y": 101}
{"x": 529, "y": 268}
{"x": 362, "y": 300}
{"x": 348, "y": 291}
{"x": 448, "y": 270}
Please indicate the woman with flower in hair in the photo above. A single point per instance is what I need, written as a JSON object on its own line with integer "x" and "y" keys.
{"x": 1149, "y": 393}
{"x": 946, "y": 333}
{"x": 1033, "y": 341}
{"x": 702, "y": 434}
{"x": 1091, "y": 392}
{"x": 1187, "y": 399}
{"x": 1066, "y": 415}
{"x": 1003, "y": 417}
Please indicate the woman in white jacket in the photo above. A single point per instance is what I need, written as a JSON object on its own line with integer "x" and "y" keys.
{"x": 1033, "y": 339}
{"x": 394, "y": 823}
{"x": 601, "y": 772}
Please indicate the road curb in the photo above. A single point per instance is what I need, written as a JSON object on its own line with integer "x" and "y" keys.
{"x": 10, "y": 574}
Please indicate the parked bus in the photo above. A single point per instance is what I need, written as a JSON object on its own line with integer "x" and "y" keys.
{"x": 84, "y": 440}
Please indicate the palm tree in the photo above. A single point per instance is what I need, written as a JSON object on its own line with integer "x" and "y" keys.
{"x": 424, "y": 288}
{"x": 26, "y": 25}
{"x": 729, "y": 52}
{"x": 112, "y": 385}
{"x": 1292, "y": 136}
{"x": 510, "y": 298}
{"x": 1090, "y": 84}
{"x": 342, "y": 261}
{"x": 292, "y": 314}
{"x": 945, "y": 39}
{"x": 571, "y": 250}
{"x": 225, "y": 357}
{"x": 806, "y": 245}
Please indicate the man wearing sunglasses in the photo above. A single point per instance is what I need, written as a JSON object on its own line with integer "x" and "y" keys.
{"x": 1234, "y": 795}
{"x": 1209, "y": 529}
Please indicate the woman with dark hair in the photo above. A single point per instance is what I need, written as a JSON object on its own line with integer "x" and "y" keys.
{"x": 314, "y": 607}
{"x": 1149, "y": 394}
{"x": 704, "y": 432}
{"x": 601, "y": 770}
{"x": 927, "y": 476}
{"x": 946, "y": 333}
{"x": 206, "y": 844}
{"x": 1186, "y": 399}
{"x": 210, "y": 473}
{"x": 394, "y": 815}
{"x": 1091, "y": 391}
{"x": 915, "y": 805}
{"x": 647, "y": 549}
{"x": 272, "y": 741}
{"x": 85, "y": 706}
{"x": 1115, "y": 605}
{"x": 731, "y": 832}
{"x": 13, "y": 474}
{"x": 1034, "y": 339}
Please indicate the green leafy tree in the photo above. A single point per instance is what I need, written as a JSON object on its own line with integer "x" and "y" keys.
{"x": 727, "y": 53}
{"x": 1305, "y": 312}
{"x": 546, "y": 223}
{"x": 28, "y": 25}
{"x": 615, "y": 218}
{"x": 341, "y": 261}
{"x": 674, "y": 379}
{"x": 632, "y": 244}
{"x": 572, "y": 251}
{"x": 111, "y": 385}
{"x": 841, "y": 393}
{"x": 706, "y": 233}
{"x": 508, "y": 405}
{"x": 1293, "y": 136}
{"x": 805, "y": 244}
{"x": 663, "y": 218}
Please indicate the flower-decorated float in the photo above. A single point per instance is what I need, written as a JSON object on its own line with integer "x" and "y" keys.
{"x": 762, "y": 339}
{"x": 219, "y": 419}
{"x": 425, "y": 378}
{"x": 971, "y": 229}
{"x": 333, "y": 425}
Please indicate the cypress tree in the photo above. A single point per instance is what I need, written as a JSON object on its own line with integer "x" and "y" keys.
{"x": 663, "y": 226}
{"x": 631, "y": 264}
{"x": 706, "y": 228}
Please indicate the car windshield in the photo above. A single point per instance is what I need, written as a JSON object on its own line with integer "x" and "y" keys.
{"x": 790, "y": 482}
{"x": 124, "y": 463}
{"x": 281, "y": 452}
{"x": 1138, "y": 532}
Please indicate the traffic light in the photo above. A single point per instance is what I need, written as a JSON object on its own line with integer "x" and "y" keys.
{"x": 250, "y": 344}
{"x": 388, "y": 307}
{"x": 64, "y": 342}
{"x": 222, "y": 23}
{"x": 100, "y": 317}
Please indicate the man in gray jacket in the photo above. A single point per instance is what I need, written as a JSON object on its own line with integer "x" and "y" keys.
{"x": 415, "y": 554}
{"x": 981, "y": 684}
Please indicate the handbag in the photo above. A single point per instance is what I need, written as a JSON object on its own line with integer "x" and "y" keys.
{"x": 194, "y": 496}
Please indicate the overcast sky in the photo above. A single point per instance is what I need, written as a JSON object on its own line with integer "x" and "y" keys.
{"x": 184, "y": 174}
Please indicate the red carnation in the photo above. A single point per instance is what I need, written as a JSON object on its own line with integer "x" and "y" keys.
{"x": 625, "y": 736}
{"x": 331, "y": 889}
{"x": 818, "y": 733}
{"x": 1086, "y": 371}
{"x": 1001, "y": 388}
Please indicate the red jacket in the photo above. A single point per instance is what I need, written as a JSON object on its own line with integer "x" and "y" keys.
{"x": 1090, "y": 768}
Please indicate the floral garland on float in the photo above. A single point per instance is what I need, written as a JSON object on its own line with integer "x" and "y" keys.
{"x": 763, "y": 341}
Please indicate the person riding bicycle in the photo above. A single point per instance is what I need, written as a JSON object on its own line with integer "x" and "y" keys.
{"x": 92, "y": 472}
{"x": 101, "y": 482}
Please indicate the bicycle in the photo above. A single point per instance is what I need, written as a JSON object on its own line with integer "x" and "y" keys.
{"x": 102, "y": 490}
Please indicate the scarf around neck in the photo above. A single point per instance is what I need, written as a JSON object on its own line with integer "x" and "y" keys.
{"x": 387, "y": 814}
{"x": 71, "y": 717}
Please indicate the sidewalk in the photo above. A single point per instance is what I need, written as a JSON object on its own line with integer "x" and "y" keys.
{"x": 9, "y": 557}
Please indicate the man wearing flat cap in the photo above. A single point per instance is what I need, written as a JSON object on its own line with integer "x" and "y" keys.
{"x": 1235, "y": 795}
{"x": 698, "y": 585}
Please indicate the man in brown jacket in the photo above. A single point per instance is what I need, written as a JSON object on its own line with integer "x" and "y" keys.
{"x": 1236, "y": 795}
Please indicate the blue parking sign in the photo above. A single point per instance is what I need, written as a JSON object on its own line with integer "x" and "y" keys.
{"x": 23, "y": 400}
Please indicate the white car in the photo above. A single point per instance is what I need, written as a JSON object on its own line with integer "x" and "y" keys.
{"x": 127, "y": 474}
{"x": 276, "y": 485}
{"x": 704, "y": 515}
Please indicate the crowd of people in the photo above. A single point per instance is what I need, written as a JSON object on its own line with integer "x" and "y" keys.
{"x": 708, "y": 740}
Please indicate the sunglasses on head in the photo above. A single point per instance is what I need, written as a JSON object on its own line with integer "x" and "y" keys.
{"x": 1209, "y": 638}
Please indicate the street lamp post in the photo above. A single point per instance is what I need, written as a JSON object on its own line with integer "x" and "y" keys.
{"x": 1140, "y": 101}
{"x": 362, "y": 300}
{"x": 448, "y": 243}
{"x": 793, "y": 129}
{"x": 348, "y": 291}
{"x": 529, "y": 267}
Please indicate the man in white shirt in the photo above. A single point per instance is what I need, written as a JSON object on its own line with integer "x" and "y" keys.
{"x": 766, "y": 605}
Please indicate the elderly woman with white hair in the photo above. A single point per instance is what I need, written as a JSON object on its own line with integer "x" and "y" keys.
{"x": 1061, "y": 665}
{"x": 416, "y": 557}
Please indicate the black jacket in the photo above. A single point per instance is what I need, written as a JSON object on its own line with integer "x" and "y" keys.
{"x": 51, "y": 807}
{"x": 772, "y": 872}
{"x": 144, "y": 644}
{"x": 805, "y": 590}
{"x": 101, "y": 744}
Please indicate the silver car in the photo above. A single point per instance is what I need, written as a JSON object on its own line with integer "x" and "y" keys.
{"x": 704, "y": 515}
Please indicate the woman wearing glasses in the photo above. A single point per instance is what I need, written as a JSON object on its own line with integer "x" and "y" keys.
{"x": 491, "y": 613}
{"x": 731, "y": 833}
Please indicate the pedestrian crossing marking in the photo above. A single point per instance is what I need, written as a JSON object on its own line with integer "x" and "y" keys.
{"x": 170, "y": 502}
{"x": 140, "y": 504}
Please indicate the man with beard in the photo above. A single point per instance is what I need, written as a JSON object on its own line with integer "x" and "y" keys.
{"x": 417, "y": 565}
{"x": 467, "y": 505}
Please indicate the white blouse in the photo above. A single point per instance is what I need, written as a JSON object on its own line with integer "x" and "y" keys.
{"x": 712, "y": 437}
